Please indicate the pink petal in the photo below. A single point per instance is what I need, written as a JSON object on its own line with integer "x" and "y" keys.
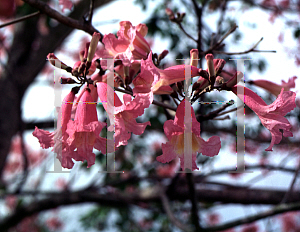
{"x": 66, "y": 109}
{"x": 86, "y": 111}
{"x": 172, "y": 129}
{"x": 168, "y": 153}
{"x": 45, "y": 137}
{"x": 180, "y": 114}
{"x": 194, "y": 165}
{"x": 211, "y": 147}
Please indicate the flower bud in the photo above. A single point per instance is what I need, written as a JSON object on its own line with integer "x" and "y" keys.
{"x": 204, "y": 74}
{"x": 93, "y": 46}
{"x": 163, "y": 55}
{"x": 170, "y": 13}
{"x": 235, "y": 79}
{"x": 57, "y": 63}
{"x": 64, "y": 80}
{"x": 219, "y": 67}
{"x": 211, "y": 69}
{"x": 86, "y": 51}
{"x": 142, "y": 29}
{"x": 210, "y": 64}
{"x": 194, "y": 56}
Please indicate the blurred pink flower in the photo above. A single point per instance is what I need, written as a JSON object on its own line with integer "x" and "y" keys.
{"x": 275, "y": 88}
{"x": 213, "y": 219}
{"x": 271, "y": 116}
{"x": 125, "y": 114}
{"x": 174, "y": 130}
{"x": 289, "y": 222}
{"x": 66, "y": 4}
{"x": 250, "y": 228}
{"x": 11, "y": 202}
{"x": 54, "y": 224}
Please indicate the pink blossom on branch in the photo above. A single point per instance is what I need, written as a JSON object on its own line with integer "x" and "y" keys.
{"x": 125, "y": 114}
{"x": 271, "y": 116}
{"x": 153, "y": 79}
{"x": 174, "y": 130}
{"x": 84, "y": 132}
{"x": 129, "y": 46}
{"x": 57, "y": 139}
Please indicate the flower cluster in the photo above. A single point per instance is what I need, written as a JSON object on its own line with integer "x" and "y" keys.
{"x": 136, "y": 74}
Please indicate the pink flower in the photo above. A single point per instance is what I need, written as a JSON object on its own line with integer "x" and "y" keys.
{"x": 153, "y": 79}
{"x": 7, "y": 8}
{"x": 54, "y": 224}
{"x": 275, "y": 88}
{"x": 125, "y": 114}
{"x": 57, "y": 139}
{"x": 271, "y": 116}
{"x": 66, "y": 4}
{"x": 174, "y": 130}
{"x": 213, "y": 219}
{"x": 84, "y": 132}
{"x": 289, "y": 222}
{"x": 130, "y": 44}
{"x": 250, "y": 228}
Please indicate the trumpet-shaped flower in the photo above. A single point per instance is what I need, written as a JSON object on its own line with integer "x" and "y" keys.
{"x": 175, "y": 132}
{"x": 124, "y": 114}
{"x": 271, "y": 116}
{"x": 129, "y": 46}
{"x": 153, "y": 79}
{"x": 84, "y": 131}
{"x": 275, "y": 88}
{"x": 57, "y": 139}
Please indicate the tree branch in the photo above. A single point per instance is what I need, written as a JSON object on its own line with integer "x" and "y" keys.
{"x": 68, "y": 21}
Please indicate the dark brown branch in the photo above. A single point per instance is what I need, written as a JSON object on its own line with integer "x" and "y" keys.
{"x": 167, "y": 208}
{"x": 76, "y": 24}
{"x": 92, "y": 3}
{"x": 180, "y": 193}
{"x": 193, "y": 197}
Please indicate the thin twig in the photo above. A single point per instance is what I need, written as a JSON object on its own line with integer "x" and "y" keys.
{"x": 282, "y": 208}
{"x": 175, "y": 221}
{"x": 212, "y": 114}
{"x": 252, "y": 49}
{"x": 211, "y": 49}
{"x": 188, "y": 35}
{"x": 20, "y": 19}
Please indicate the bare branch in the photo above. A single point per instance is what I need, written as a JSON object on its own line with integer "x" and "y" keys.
{"x": 252, "y": 49}
{"x": 46, "y": 9}
{"x": 20, "y": 19}
{"x": 175, "y": 221}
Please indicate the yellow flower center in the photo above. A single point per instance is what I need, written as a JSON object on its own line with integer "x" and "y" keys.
{"x": 178, "y": 142}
